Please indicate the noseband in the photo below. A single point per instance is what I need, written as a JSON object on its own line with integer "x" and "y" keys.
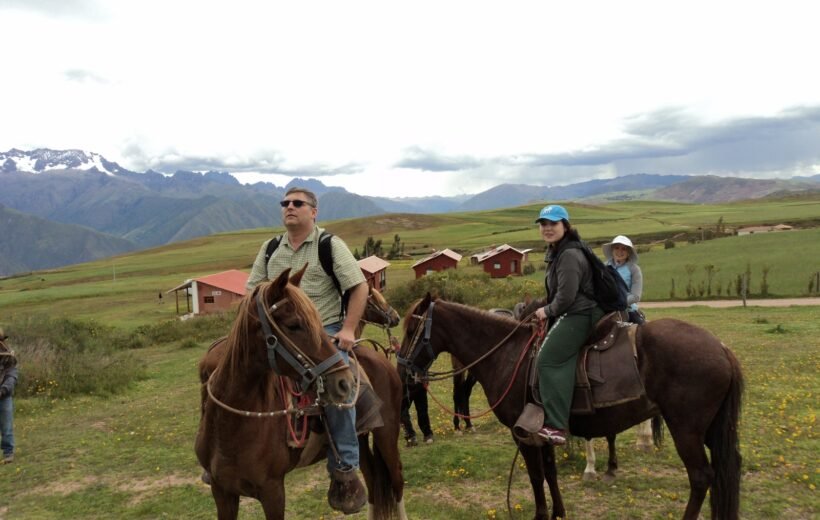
{"x": 409, "y": 362}
{"x": 309, "y": 371}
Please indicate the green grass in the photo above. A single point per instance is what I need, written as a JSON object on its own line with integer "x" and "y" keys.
{"x": 122, "y": 291}
{"x": 130, "y": 455}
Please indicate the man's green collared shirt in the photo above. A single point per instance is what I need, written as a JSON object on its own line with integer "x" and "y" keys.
{"x": 316, "y": 283}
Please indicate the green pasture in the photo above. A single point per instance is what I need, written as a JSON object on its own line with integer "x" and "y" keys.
{"x": 123, "y": 290}
{"x": 130, "y": 455}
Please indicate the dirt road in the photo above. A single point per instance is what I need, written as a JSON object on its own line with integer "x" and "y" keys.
{"x": 784, "y": 302}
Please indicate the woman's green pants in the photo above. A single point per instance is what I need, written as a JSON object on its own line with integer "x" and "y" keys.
{"x": 556, "y": 364}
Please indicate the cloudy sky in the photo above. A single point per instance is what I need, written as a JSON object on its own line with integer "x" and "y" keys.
{"x": 417, "y": 98}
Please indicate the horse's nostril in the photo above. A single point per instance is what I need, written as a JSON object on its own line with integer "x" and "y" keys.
{"x": 344, "y": 386}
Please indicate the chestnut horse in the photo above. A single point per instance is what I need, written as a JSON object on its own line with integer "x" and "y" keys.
{"x": 690, "y": 377}
{"x": 379, "y": 313}
{"x": 244, "y": 427}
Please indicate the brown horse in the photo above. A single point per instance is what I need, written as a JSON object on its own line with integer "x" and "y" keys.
{"x": 244, "y": 428}
{"x": 379, "y": 313}
{"x": 690, "y": 377}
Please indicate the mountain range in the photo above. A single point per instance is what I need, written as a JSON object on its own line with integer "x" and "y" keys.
{"x": 79, "y": 206}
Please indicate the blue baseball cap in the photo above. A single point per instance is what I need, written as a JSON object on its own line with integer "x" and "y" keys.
{"x": 554, "y": 213}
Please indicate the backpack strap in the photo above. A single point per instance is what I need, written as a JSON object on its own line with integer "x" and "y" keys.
{"x": 273, "y": 244}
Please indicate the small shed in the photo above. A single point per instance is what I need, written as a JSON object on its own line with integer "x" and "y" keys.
{"x": 438, "y": 261}
{"x": 375, "y": 272}
{"x": 502, "y": 261}
{"x": 212, "y": 293}
{"x": 751, "y": 230}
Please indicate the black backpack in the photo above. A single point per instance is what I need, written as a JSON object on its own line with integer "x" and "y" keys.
{"x": 325, "y": 258}
{"x": 609, "y": 289}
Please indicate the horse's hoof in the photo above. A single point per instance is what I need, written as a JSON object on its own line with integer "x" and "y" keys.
{"x": 609, "y": 477}
{"x": 412, "y": 442}
{"x": 346, "y": 493}
{"x": 589, "y": 477}
{"x": 645, "y": 448}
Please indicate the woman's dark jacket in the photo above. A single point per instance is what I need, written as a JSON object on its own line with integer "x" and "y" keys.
{"x": 568, "y": 279}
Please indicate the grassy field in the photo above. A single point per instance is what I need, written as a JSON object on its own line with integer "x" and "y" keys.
{"x": 130, "y": 455}
{"x": 123, "y": 290}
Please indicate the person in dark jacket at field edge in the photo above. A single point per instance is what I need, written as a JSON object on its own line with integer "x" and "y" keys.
{"x": 8, "y": 379}
{"x": 572, "y": 313}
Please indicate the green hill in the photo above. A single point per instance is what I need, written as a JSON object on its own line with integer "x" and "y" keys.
{"x": 123, "y": 289}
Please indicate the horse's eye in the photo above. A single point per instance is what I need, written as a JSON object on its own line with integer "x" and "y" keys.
{"x": 293, "y": 327}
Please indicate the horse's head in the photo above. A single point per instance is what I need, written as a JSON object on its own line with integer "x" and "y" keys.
{"x": 280, "y": 316}
{"x": 416, "y": 354}
{"x": 378, "y": 311}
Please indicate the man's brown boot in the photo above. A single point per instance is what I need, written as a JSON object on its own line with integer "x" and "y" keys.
{"x": 346, "y": 493}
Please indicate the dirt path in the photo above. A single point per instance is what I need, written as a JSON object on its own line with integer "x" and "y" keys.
{"x": 784, "y": 302}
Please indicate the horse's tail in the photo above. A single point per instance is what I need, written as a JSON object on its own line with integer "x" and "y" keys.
{"x": 723, "y": 442}
{"x": 384, "y": 503}
{"x": 657, "y": 431}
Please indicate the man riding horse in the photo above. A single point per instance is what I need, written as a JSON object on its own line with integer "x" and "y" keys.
{"x": 298, "y": 246}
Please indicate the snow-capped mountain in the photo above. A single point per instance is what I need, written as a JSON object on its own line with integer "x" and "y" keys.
{"x": 44, "y": 159}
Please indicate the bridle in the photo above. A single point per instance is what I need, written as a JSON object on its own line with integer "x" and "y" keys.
{"x": 420, "y": 342}
{"x": 386, "y": 315}
{"x": 309, "y": 371}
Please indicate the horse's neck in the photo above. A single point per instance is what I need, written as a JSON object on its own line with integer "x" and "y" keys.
{"x": 468, "y": 342}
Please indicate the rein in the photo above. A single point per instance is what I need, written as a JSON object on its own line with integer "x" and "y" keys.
{"x": 535, "y": 335}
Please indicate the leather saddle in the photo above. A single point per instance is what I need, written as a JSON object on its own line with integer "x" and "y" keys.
{"x": 607, "y": 370}
{"x": 606, "y": 375}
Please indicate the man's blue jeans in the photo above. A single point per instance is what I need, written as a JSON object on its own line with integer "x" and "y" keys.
{"x": 342, "y": 425}
{"x": 7, "y": 425}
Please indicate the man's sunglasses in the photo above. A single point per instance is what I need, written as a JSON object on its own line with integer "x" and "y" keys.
{"x": 296, "y": 203}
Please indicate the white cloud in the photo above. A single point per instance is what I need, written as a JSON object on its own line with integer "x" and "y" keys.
{"x": 349, "y": 90}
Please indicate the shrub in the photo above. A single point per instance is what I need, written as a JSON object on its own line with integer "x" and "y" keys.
{"x": 668, "y": 243}
{"x": 476, "y": 289}
{"x": 61, "y": 357}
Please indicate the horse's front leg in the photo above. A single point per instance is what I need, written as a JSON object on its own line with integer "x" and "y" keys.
{"x": 551, "y": 474}
{"x": 273, "y": 499}
{"x": 227, "y": 504}
{"x": 535, "y": 470}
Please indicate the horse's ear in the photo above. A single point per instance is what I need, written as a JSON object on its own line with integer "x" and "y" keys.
{"x": 281, "y": 281}
{"x": 296, "y": 279}
{"x": 428, "y": 298}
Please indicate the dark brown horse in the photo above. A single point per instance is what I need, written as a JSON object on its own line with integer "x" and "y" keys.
{"x": 244, "y": 428}
{"x": 463, "y": 383}
{"x": 690, "y": 377}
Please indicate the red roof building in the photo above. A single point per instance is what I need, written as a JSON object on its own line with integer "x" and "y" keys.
{"x": 212, "y": 293}
{"x": 375, "y": 272}
{"x": 502, "y": 261}
{"x": 438, "y": 261}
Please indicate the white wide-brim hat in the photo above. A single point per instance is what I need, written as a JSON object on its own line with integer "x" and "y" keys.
{"x": 620, "y": 239}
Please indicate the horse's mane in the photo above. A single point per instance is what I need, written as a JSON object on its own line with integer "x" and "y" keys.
{"x": 486, "y": 317}
{"x": 240, "y": 339}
